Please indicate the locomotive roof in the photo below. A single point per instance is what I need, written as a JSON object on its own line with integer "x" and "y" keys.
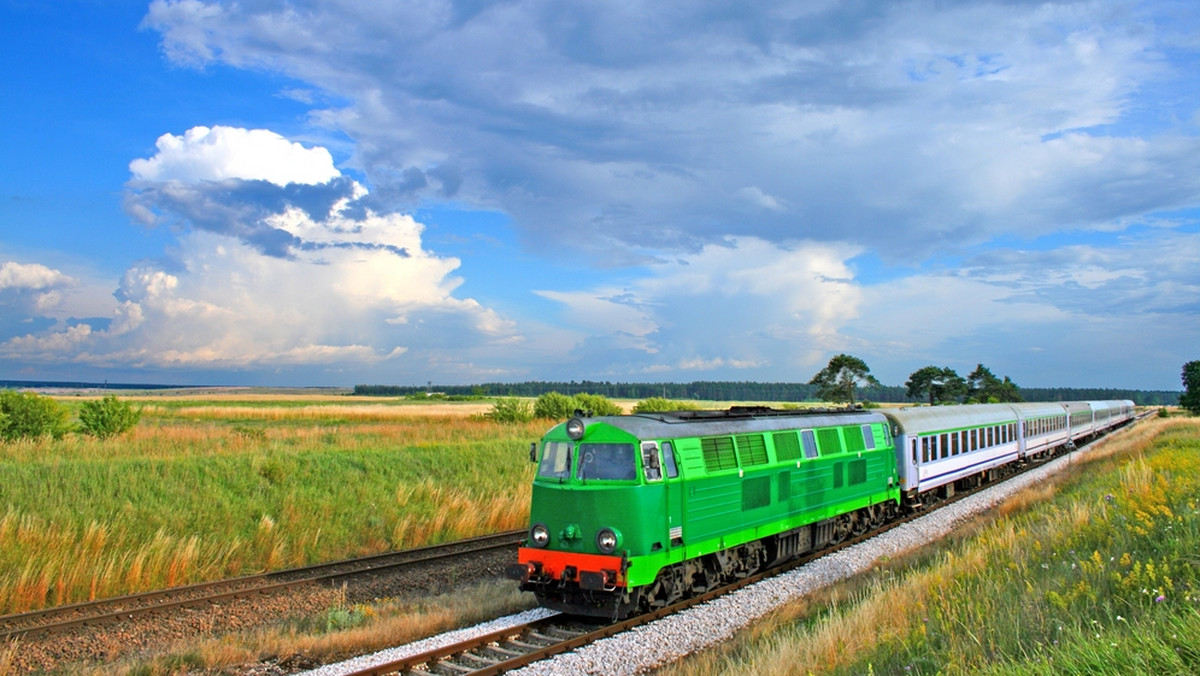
{"x": 738, "y": 420}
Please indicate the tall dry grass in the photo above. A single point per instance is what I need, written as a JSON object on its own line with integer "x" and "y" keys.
{"x": 182, "y": 500}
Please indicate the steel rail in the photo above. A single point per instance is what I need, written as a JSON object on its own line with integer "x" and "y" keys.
{"x": 49, "y": 621}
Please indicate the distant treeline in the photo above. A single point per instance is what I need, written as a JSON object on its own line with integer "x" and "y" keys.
{"x": 742, "y": 391}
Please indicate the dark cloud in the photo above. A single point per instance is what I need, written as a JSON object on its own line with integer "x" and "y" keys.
{"x": 622, "y": 127}
{"x": 241, "y": 208}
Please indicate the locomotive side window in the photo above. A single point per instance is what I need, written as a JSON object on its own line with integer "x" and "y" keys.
{"x": 868, "y": 438}
{"x": 669, "y": 460}
{"x": 650, "y": 465}
{"x": 606, "y": 461}
{"x": 809, "y": 440}
{"x": 556, "y": 460}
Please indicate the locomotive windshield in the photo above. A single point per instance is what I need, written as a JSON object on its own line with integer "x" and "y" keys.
{"x": 556, "y": 460}
{"x": 606, "y": 461}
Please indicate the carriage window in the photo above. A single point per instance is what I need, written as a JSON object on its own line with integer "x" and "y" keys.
{"x": 556, "y": 460}
{"x": 605, "y": 461}
{"x": 669, "y": 460}
{"x": 991, "y": 431}
{"x": 954, "y": 444}
{"x": 924, "y": 449}
{"x": 944, "y": 446}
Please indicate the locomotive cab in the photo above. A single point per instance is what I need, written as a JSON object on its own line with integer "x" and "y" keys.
{"x": 598, "y": 499}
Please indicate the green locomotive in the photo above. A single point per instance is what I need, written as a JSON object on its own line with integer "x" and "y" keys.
{"x": 635, "y": 512}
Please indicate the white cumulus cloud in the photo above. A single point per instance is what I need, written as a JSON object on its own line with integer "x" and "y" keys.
{"x": 278, "y": 263}
{"x": 219, "y": 153}
{"x": 30, "y": 277}
{"x": 745, "y": 308}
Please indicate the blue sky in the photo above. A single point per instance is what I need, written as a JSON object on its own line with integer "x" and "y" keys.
{"x": 343, "y": 192}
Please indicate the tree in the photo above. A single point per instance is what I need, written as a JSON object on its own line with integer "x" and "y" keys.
{"x": 554, "y": 406}
{"x": 836, "y": 382}
{"x": 108, "y": 417}
{"x": 985, "y": 388}
{"x": 941, "y": 384}
{"x": 659, "y": 405}
{"x": 598, "y": 404}
{"x": 1190, "y": 399}
{"x": 510, "y": 410}
{"x": 29, "y": 416}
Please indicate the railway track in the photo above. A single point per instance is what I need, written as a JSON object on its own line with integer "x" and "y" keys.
{"x": 43, "y": 624}
{"x": 521, "y": 645}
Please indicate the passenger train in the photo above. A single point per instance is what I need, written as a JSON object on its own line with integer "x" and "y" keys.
{"x": 635, "y": 512}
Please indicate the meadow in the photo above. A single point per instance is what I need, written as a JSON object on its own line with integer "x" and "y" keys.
{"x": 1094, "y": 572}
{"x": 218, "y": 486}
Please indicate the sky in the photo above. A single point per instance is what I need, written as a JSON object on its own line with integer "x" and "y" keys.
{"x": 352, "y": 192}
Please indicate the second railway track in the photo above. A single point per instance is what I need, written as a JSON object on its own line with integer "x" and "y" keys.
{"x": 42, "y": 624}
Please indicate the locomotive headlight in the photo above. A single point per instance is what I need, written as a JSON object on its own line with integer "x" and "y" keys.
{"x": 539, "y": 535}
{"x": 575, "y": 429}
{"x": 606, "y": 540}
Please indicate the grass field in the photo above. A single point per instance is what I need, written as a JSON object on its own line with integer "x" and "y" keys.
{"x": 1096, "y": 572}
{"x": 222, "y": 485}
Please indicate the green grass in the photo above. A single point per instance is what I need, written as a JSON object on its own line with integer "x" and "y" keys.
{"x": 1097, "y": 573}
{"x": 182, "y": 500}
